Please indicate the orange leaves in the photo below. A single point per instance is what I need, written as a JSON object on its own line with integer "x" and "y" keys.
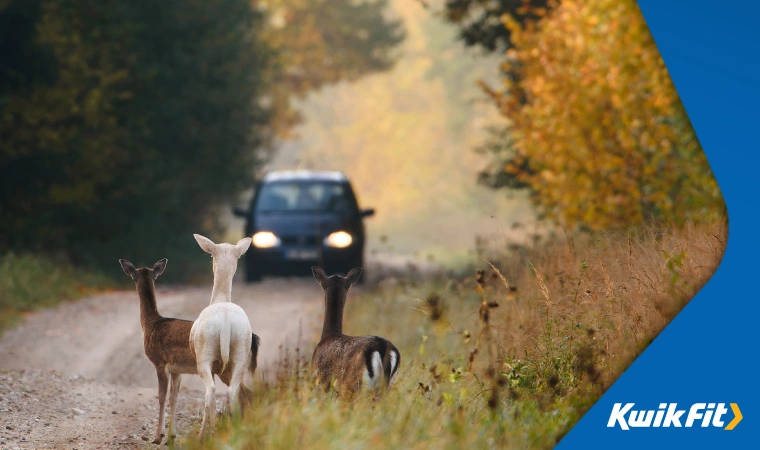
{"x": 596, "y": 117}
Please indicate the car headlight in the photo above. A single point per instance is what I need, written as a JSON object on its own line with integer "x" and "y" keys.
{"x": 265, "y": 239}
{"x": 339, "y": 239}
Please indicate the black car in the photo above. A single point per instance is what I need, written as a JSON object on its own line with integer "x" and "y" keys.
{"x": 298, "y": 219}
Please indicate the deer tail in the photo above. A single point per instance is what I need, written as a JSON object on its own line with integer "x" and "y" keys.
{"x": 224, "y": 346}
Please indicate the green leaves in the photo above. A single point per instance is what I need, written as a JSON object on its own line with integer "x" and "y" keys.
{"x": 150, "y": 122}
{"x": 126, "y": 126}
{"x": 674, "y": 263}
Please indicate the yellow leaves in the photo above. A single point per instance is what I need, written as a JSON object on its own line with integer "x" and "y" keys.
{"x": 513, "y": 26}
{"x": 600, "y": 118}
{"x": 537, "y": 85}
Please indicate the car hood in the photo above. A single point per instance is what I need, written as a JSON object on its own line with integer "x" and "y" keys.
{"x": 301, "y": 224}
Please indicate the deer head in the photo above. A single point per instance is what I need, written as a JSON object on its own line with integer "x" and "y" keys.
{"x": 143, "y": 273}
{"x": 335, "y": 287}
{"x": 225, "y": 258}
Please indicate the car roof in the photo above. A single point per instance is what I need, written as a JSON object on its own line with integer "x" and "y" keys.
{"x": 305, "y": 175}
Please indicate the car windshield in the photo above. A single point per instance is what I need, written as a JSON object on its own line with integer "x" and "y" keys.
{"x": 301, "y": 196}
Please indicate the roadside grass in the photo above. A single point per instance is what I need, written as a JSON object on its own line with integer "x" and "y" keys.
{"x": 506, "y": 357}
{"x": 29, "y": 283}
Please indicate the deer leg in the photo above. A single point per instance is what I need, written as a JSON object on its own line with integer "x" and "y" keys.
{"x": 240, "y": 362}
{"x": 173, "y": 393}
{"x": 209, "y": 412}
{"x": 246, "y": 388}
{"x": 226, "y": 376}
{"x": 233, "y": 393}
{"x": 163, "y": 384}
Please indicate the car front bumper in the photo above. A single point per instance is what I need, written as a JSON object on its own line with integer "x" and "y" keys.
{"x": 299, "y": 258}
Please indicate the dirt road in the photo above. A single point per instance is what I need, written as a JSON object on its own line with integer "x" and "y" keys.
{"x": 76, "y": 376}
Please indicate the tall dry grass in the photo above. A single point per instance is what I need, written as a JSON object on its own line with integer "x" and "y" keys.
{"x": 582, "y": 308}
{"x": 509, "y": 356}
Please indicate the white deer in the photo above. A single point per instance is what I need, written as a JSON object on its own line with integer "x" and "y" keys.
{"x": 222, "y": 333}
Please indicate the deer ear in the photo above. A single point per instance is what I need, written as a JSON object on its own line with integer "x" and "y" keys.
{"x": 128, "y": 268}
{"x": 353, "y": 275}
{"x": 319, "y": 275}
{"x": 206, "y": 244}
{"x": 242, "y": 246}
{"x": 159, "y": 267}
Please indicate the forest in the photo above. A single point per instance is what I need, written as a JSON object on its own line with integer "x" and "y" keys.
{"x": 544, "y": 209}
{"x": 127, "y": 124}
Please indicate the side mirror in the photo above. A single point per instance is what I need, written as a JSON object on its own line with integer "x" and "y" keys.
{"x": 367, "y": 212}
{"x": 239, "y": 212}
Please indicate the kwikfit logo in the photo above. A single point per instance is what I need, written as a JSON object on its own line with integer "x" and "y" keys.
{"x": 702, "y": 415}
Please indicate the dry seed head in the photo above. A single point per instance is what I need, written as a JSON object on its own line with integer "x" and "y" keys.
{"x": 435, "y": 306}
{"x": 484, "y": 313}
{"x": 471, "y": 359}
{"x": 542, "y": 285}
{"x": 480, "y": 277}
{"x": 436, "y": 378}
{"x": 493, "y": 400}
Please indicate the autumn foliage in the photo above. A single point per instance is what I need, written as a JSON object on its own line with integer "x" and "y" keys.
{"x": 596, "y": 129}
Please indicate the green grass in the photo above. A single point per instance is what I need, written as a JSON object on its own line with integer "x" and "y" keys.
{"x": 578, "y": 312}
{"x": 437, "y": 401}
{"x": 29, "y": 283}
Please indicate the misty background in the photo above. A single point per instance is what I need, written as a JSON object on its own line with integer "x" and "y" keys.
{"x": 406, "y": 138}
{"x": 127, "y": 127}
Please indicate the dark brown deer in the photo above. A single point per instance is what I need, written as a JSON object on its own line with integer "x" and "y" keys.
{"x": 352, "y": 363}
{"x": 167, "y": 345}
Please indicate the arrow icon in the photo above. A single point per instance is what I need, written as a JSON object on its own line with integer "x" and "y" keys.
{"x": 737, "y": 417}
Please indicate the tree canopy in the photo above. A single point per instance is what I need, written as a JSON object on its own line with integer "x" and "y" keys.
{"x": 321, "y": 42}
{"x": 595, "y": 127}
{"x": 126, "y": 126}
{"x": 480, "y": 21}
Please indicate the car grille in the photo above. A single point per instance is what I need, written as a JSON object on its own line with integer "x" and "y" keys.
{"x": 299, "y": 240}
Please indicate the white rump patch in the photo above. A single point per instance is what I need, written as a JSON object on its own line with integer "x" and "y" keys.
{"x": 377, "y": 372}
{"x": 394, "y": 358}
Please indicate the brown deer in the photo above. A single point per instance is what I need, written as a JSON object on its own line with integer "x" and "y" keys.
{"x": 353, "y": 363}
{"x": 167, "y": 345}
